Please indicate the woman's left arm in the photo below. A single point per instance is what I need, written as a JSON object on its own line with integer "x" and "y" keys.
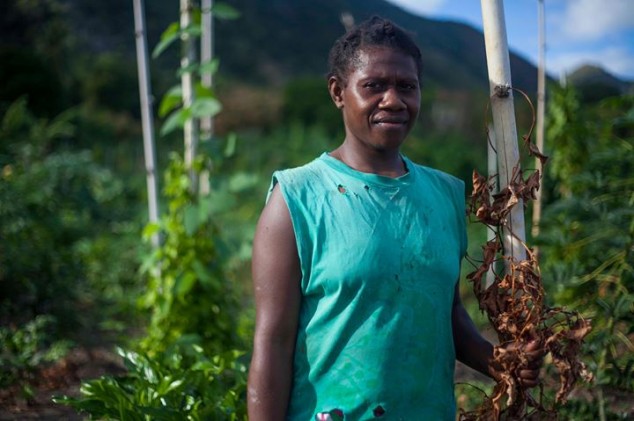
{"x": 471, "y": 348}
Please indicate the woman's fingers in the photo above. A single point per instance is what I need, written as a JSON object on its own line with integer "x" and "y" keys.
{"x": 534, "y": 354}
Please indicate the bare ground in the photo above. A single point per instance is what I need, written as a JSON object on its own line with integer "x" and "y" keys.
{"x": 62, "y": 378}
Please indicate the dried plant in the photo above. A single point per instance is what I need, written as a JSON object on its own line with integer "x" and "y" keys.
{"x": 514, "y": 304}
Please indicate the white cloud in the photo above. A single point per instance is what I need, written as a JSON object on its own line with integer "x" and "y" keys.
{"x": 593, "y": 19}
{"x": 616, "y": 60}
{"x": 424, "y": 7}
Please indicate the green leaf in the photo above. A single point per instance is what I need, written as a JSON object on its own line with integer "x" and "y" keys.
{"x": 205, "y": 107}
{"x": 191, "y": 219}
{"x": 184, "y": 284}
{"x": 194, "y": 30}
{"x": 151, "y": 229}
{"x": 176, "y": 120}
{"x": 168, "y": 37}
{"x": 230, "y": 148}
{"x": 187, "y": 69}
{"x": 149, "y": 262}
{"x": 210, "y": 66}
{"x": 203, "y": 91}
{"x": 224, "y": 11}
{"x": 167, "y": 385}
{"x": 171, "y": 100}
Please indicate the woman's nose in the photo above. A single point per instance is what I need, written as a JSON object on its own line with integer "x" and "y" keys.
{"x": 392, "y": 99}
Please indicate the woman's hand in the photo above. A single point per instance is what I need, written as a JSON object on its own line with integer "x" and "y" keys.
{"x": 526, "y": 370}
{"x": 528, "y": 374}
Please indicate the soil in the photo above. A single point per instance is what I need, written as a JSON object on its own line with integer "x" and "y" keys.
{"x": 62, "y": 378}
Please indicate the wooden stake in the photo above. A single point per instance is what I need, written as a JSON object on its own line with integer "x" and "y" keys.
{"x": 188, "y": 57}
{"x": 541, "y": 101}
{"x": 147, "y": 118}
{"x": 503, "y": 109}
{"x": 206, "y": 54}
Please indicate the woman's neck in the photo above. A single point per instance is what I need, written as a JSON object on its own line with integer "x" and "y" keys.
{"x": 381, "y": 162}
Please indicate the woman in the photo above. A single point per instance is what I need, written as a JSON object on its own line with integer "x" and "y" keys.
{"x": 356, "y": 259}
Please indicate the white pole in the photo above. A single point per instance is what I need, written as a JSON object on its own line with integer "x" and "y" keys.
{"x": 499, "y": 68}
{"x": 541, "y": 101}
{"x": 147, "y": 118}
{"x": 206, "y": 54}
{"x": 188, "y": 56}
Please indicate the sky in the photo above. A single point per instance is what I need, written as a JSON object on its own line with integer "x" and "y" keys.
{"x": 578, "y": 32}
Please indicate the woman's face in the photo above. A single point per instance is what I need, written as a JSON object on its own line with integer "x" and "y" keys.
{"x": 380, "y": 99}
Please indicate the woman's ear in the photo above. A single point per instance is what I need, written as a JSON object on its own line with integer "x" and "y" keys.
{"x": 336, "y": 91}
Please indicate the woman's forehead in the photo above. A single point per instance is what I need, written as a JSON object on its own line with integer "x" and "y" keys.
{"x": 379, "y": 59}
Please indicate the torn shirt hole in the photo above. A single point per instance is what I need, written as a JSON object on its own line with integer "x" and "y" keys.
{"x": 378, "y": 411}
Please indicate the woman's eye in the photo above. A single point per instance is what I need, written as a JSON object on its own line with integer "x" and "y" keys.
{"x": 373, "y": 85}
{"x": 407, "y": 86}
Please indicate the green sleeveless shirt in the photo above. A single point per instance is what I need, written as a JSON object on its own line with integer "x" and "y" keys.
{"x": 380, "y": 258}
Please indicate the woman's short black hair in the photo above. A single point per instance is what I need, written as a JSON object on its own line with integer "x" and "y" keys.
{"x": 374, "y": 32}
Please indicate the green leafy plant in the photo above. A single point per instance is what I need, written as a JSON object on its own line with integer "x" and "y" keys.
{"x": 205, "y": 103}
{"x": 588, "y": 240}
{"x": 187, "y": 366}
{"x": 188, "y": 291}
{"x": 54, "y": 203}
{"x": 180, "y": 383}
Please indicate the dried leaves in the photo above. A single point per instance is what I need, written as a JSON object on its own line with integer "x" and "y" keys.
{"x": 514, "y": 304}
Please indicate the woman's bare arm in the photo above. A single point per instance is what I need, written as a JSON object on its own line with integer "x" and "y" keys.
{"x": 276, "y": 279}
{"x": 471, "y": 348}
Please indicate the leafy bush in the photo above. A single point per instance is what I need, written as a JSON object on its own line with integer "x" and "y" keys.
{"x": 180, "y": 383}
{"x": 54, "y": 204}
{"x": 588, "y": 238}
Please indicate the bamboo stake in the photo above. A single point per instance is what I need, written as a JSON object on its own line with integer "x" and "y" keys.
{"x": 188, "y": 57}
{"x": 541, "y": 100}
{"x": 206, "y": 54}
{"x": 499, "y": 69}
{"x": 147, "y": 118}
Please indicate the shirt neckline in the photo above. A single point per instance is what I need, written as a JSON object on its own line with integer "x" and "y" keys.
{"x": 371, "y": 178}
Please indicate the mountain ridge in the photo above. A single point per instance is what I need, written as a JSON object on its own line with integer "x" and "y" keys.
{"x": 294, "y": 37}
{"x": 275, "y": 41}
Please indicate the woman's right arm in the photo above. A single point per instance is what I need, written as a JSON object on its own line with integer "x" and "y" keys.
{"x": 276, "y": 279}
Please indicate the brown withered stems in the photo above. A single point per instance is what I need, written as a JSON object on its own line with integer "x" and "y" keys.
{"x": 514, "y": 304}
